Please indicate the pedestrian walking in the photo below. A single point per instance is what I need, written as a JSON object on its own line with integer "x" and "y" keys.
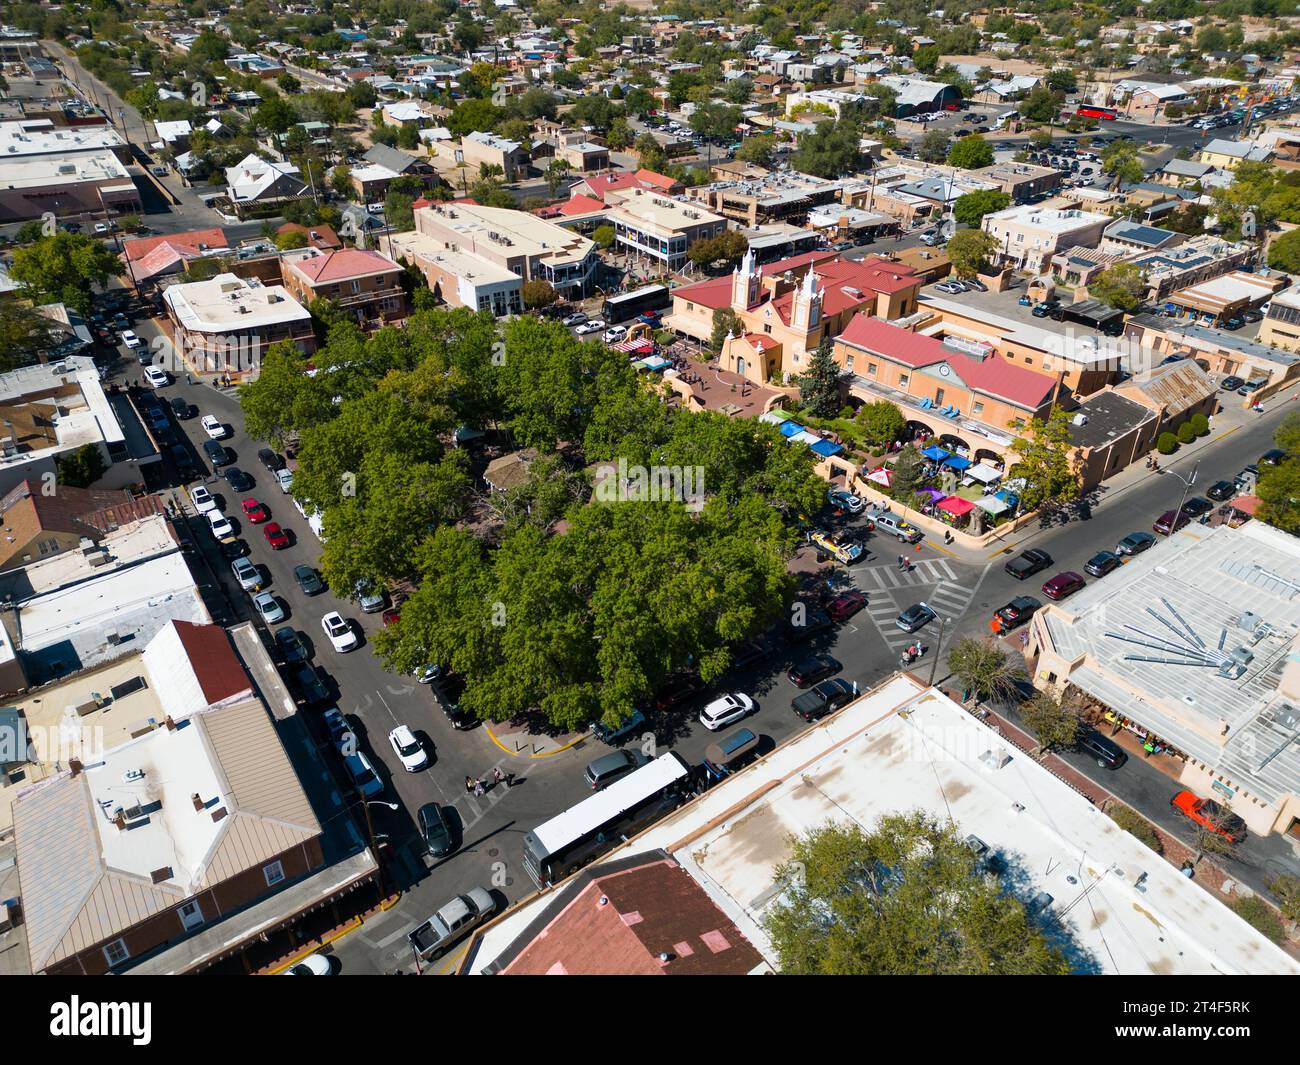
{"x": 1024, "y": 641}
{"x": 497, "y": 776}
{"x": 469, "y": 785}
{"x": 479, "y": 789}
{"x": 510, "y": 780}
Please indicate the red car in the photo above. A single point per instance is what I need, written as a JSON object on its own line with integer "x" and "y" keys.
{"x": 276, "y": 537}
{"x": 1210, "y": 815}
{"x": 255, "y": 512}
{"x": 1063, "y": 584}
{"x": 391, "y": 615}
{"x": 843, "y": 607}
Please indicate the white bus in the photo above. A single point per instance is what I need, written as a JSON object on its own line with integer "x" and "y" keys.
{"x": 569, "y": 840}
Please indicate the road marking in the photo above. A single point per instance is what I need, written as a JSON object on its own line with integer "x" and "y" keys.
{"x": 387, "y": 707}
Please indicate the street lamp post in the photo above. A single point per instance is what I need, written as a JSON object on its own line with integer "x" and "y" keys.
{"x": 1187, "y": 484}
{"x": 938, "y": 649}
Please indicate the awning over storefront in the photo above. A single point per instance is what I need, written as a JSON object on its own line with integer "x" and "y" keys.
{"x": 637, "y": 346}
{"x": 956, "y": 506}
{"x": 984, "y": 474}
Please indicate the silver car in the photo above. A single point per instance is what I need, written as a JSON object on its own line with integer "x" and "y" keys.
{"x": 248, "y": 575}
{"x": 269, "y": 608}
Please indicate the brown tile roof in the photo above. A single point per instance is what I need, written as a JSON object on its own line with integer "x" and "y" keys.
{"x": 648, "y": 910}
{"x": 90, "y": 512}
{"x": 215, "y": 664}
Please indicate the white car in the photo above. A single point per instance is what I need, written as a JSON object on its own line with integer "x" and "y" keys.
{"x": 284, "y": 478}
{"x": 156, "y": 377}
{"x": 595, "y": 325}
{"x": 724, "y": 711}
{"x": 213, "y": 427}
{"x": 102, "y": 227}
{"x": 130, "y": 339}
{"x": 614, "y": 334}
{"x": 220, "y": 526}
{"x": 268, "y": 606}
{"x": 412, "y": 756}
{"x": 202, "y": 499}
{"x": 312, "y": 965}
{"x": 339, "y": 631}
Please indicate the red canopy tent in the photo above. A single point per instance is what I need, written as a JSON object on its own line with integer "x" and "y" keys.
{"x": 956, "y": 506}
{"x": 640, "y": 346}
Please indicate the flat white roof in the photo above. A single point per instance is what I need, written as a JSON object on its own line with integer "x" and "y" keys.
{"x": 1047, "y": 218}
{"x": 904, "y": 747}
{"x": 229, "y": 302}
{"x": 419, "y": 248}
{"x": 38, "y": 171}
{"x": 642, "y": 208}
{"x": 25, "y": 137}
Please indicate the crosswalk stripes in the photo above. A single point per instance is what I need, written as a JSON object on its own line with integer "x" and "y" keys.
{"x": 890, "y": 591}
{"x": 478, "y": 806}
{"x": 929, "y": 571}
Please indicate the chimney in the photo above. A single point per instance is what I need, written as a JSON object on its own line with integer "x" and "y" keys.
{"x": 171, "y": 725}
{"x": 75, "y": 766}
{"x": 120, "y": 821}
{"x": 197, "y": 800}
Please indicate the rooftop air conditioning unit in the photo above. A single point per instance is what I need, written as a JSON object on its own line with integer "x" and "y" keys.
{"x": 1079, "y": 419}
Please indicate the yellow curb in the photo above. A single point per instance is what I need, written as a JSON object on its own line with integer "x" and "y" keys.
{"x": 516, "y": 754}
{"x": 351, "y": 926}
{"x": 950, "y": 554}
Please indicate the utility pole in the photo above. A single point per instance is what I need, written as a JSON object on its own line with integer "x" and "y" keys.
{"x": 938, "y": 649}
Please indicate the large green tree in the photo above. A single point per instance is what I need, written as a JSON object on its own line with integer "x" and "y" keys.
{"x": 970, "y": 252}
{"x": 1121, "y": 285}
{"x": 832, "y": 150}
{"x": 906, "y": 897}
{"x": 973, "y": 206}
{"x": 64, "y": 268}
{"x": 1045, "y": 462}
{"x": 819, "y": 385}
{"x": 971, "y": 152}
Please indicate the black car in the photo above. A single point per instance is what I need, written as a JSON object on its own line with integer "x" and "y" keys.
{"x": 1230, "y": 384}
{"x": 1252, "y": 316}
{"x": 183, "y": 462}
{"x": 309, "y": 582}
{"x": 307, "y": 682}
{"x": 289, "y": 645}
{"x": 238, "y": 480}
{"x": 218, "y": 454}
{"x": 270, "y": 459}
{"x": 1102, "y": 563}
{"x": 825, "y": 697}
{"x": 1232, "y": 324}
{"x": 812, "y": 669}
{"x": 1019, "y": 610}
{"x": 234, "y": 549}
{"x": 1196, "y": 506}
{"x": 1273, "y": 457}
{"x": 1028, "y": 563}
{"x": 1221, "y": 490}
{"x": 450, "y": 688}
{"x": 183, "y": 408}
{"x": 814, "y": 622}
{"x": 435, "y": 829}
{"x": 751, "y": 651}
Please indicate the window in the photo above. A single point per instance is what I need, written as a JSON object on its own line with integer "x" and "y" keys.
{"x": 938, "y": 395}
{"x": 848, "y": 362}
{"x": 767, "y": 329}
{"x": 978, "y": 408}
{"x": 902, "y": 380}
{"x": 116, "y": 952}
{"x": 274, "y": 873}
{"x": 356, "y": 287}
{"x": 871, "y": 369}
{"x": 191, "y": 915}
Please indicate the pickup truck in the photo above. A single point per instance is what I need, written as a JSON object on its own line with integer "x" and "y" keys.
{"x": 431, "y": 939}
{"x": 1028, "y": 563}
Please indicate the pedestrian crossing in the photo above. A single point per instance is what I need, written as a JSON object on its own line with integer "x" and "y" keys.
{"x": 890, "y": 591}
{"x": 473, "y": 808}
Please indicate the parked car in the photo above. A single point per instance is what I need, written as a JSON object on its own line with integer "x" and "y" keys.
{"x": 307, "y": 682}
{"x": 1272, "y": 457}
{"x": 813, "y": 622}
{"x": 678, "y": 688}
{"x": 726, "y": 710}
{"x": 268, "y": 608}
{"x": 276, "y": 537}
{"x": 156, "y": 377}
{"x": 1108, "y": 754}
{"x": 592, "y": 325}
{"x": 1210, "y": 815}
{"x": 1102, "y": 563}
{"x": 1221, "y": 491}
{"x": 1249, "y": 387}
{"x": 916, "y": 616}
{"x": 837, "y": 497}
{"x": 220, "y": 525}
{"x": 248, "y": 575}
{"x": 577, "y": 318}
{"x": 1019, "y": 610}
{"x": 951, "y": 288}
{"x": 1197, "y": 507}
{"x": 289, "y": 645}
{"x": 836, "y": 545}
{"x": 845, "y": 605}
{"x": 1166, "y": 524}
{"x": 370, "y": 599}
{"x": 435, "y": 829}
{"x": 131, "y": 340}
{"x": 313, "y": 964}
{"x": 823, "y": 698}
{"x": 410, "y": 752}
{"x": 202, "y": 499}
{"x": 809, "y": 671}
{"x": 1044, "y": 309}
{"x": 213, "y": 427}
{"x": 218, "y": 454}
{"x": 603, "y": 771}
{"x": 254, "y": 511}
{"x": 270, "y": 459}
{"x": 614, "y": 334}
{"x": 183, "y": 408}
{"x": 613, "y": 734}
{"x": 1063, "y": 584}
{"x": 340, "y": 633}
{"x": 363, "y": 775}
{"x": 309, "y": 582}
{"x": 891, "y": 524}
{"x": 1134, "y": 543}
{"x": 1027, "y": 563}
{"x": 284, "y": 478}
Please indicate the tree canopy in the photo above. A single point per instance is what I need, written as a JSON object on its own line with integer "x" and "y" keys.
{"x": 64, "y": 268}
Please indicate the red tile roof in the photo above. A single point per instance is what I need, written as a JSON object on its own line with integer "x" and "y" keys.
{"x": 993, "y": 376}
{"x": 340, "y": 265}
{"x": 628, "y": 179}
{"x": 184, "y": 243}
{"x": 219, "y": 672}
{"x": 326, "y": 238}
{"x": 577, "y": 204}
{"x": 620, "y": 923}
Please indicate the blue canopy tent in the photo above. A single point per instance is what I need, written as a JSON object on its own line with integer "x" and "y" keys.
{"x": 935, "y": 453}
{"x": 957, "y": 462}
{"x": 790, "y": 429}
{"x": 825, "y": 448}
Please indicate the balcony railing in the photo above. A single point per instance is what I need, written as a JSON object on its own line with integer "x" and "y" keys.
{"x": 368, "y": 296}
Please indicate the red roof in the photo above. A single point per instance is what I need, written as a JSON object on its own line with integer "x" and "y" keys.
{"x": 577, "y": 204}
{"x": 215, "y": 666}
{"x": 993, "y": 376}
{"x": 326, "y": 239}
{"x": 628, "y": 179}
{"x": 340, "y": 265}
{"x": 184, "y": 243}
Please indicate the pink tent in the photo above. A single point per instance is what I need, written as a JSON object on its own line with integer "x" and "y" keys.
{"x": 956, "y": 506}
{"x": 881, "y": 475}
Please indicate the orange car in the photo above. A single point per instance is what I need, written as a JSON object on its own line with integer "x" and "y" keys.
{"x": 1210, "y": 815}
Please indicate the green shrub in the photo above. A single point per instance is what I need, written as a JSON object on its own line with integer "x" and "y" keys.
{"x": 1260, "y": 916}
{"x": 1135, "y": 825}
{"x": 1167, "y": 443}
{"x": 1186, "y": 434}
{"x": 1200, "y": 424}
{"x": 665, "y": 338}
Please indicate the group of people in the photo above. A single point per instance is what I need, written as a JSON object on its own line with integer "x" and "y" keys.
{"x": 1153, "y": 463}
{"x": 478, "y": 788}
{"x": 904, "y": 563}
